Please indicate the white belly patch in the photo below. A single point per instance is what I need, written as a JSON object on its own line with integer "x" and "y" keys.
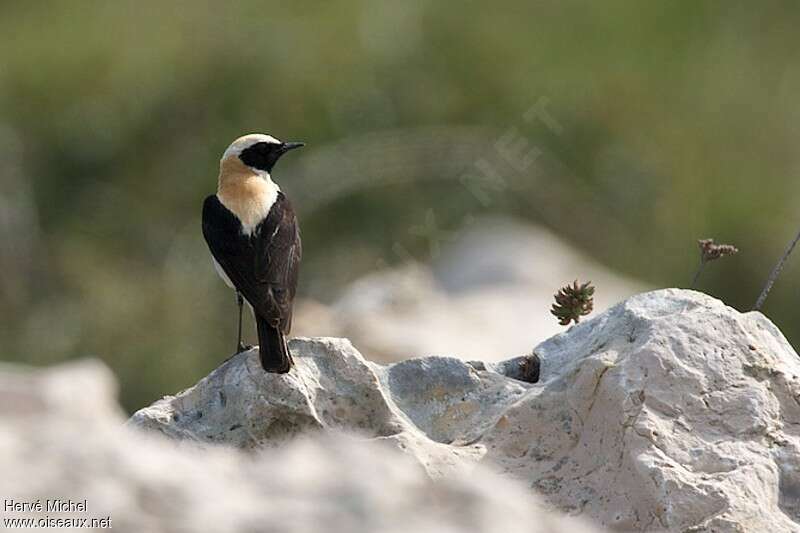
{"x": 222, "y": 274}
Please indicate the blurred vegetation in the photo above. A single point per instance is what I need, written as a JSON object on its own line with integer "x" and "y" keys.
{"x": 680, "y": 121}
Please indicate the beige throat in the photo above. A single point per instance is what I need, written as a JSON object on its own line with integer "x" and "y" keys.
{"x": 245, "y": 193}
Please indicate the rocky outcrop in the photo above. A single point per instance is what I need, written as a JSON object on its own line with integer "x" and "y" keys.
{"x": 669, "y": 411}
{"x": 432, "y": 407}
{"x": 62, "y": 437}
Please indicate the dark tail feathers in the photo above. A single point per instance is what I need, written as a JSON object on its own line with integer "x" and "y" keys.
{"x": 275, "y": 356}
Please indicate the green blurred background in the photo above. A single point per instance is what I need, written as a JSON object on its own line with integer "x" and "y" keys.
{"x": 678, "y": 120}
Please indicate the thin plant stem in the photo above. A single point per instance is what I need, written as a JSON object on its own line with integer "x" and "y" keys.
{"x": 775, "y": 273}
{"x": 697, "y": 274}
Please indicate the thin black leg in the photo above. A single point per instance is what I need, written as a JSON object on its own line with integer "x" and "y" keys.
{"x": 240, "y": 301}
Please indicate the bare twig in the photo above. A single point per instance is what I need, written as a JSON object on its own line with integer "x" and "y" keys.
{"x": 697, "y": 274}
{"x": 775, "y": 273}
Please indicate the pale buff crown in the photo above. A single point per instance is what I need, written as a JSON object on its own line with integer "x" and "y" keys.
{"x": 244, "y": 141}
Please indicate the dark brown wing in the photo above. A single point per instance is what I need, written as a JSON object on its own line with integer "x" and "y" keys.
{"x": 262, "y": 266}
{"x": 278, "y": 258}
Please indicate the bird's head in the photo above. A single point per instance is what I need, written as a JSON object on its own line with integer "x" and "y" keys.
{"x": 255, "y": 153}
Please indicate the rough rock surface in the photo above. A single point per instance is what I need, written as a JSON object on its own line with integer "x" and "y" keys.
{"x": 62, "y": 436}
{"x": 332, "y": 387}
{"x": 670, "y": 411}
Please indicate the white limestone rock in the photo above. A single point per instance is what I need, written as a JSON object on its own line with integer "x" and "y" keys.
{"x": 421, "y": 405}
{"x": 62, "y": 436}
{"x": 670, "y": 411}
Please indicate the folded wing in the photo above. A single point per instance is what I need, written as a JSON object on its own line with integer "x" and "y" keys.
{"x": 264, "y": 265}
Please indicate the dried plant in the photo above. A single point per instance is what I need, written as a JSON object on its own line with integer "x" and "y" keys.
{"x": 775, "y": 273}
{"x": 573, "y": 302}
{"x": 711, "y": 251}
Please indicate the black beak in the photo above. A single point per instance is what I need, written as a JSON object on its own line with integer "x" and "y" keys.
{"x": 285, "y": 147}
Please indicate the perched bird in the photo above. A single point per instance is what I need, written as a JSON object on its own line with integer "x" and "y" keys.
{"x": 254, "y": 239}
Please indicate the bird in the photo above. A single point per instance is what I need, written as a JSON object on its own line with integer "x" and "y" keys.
{"x": 254, "y": 238}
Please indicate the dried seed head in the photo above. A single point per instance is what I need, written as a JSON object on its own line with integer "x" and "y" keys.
{"x": 573, "y": 302}
{"x": 710, "y": 251}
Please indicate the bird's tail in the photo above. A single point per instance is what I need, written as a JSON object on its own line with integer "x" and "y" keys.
{"x": 275, "y": 356}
